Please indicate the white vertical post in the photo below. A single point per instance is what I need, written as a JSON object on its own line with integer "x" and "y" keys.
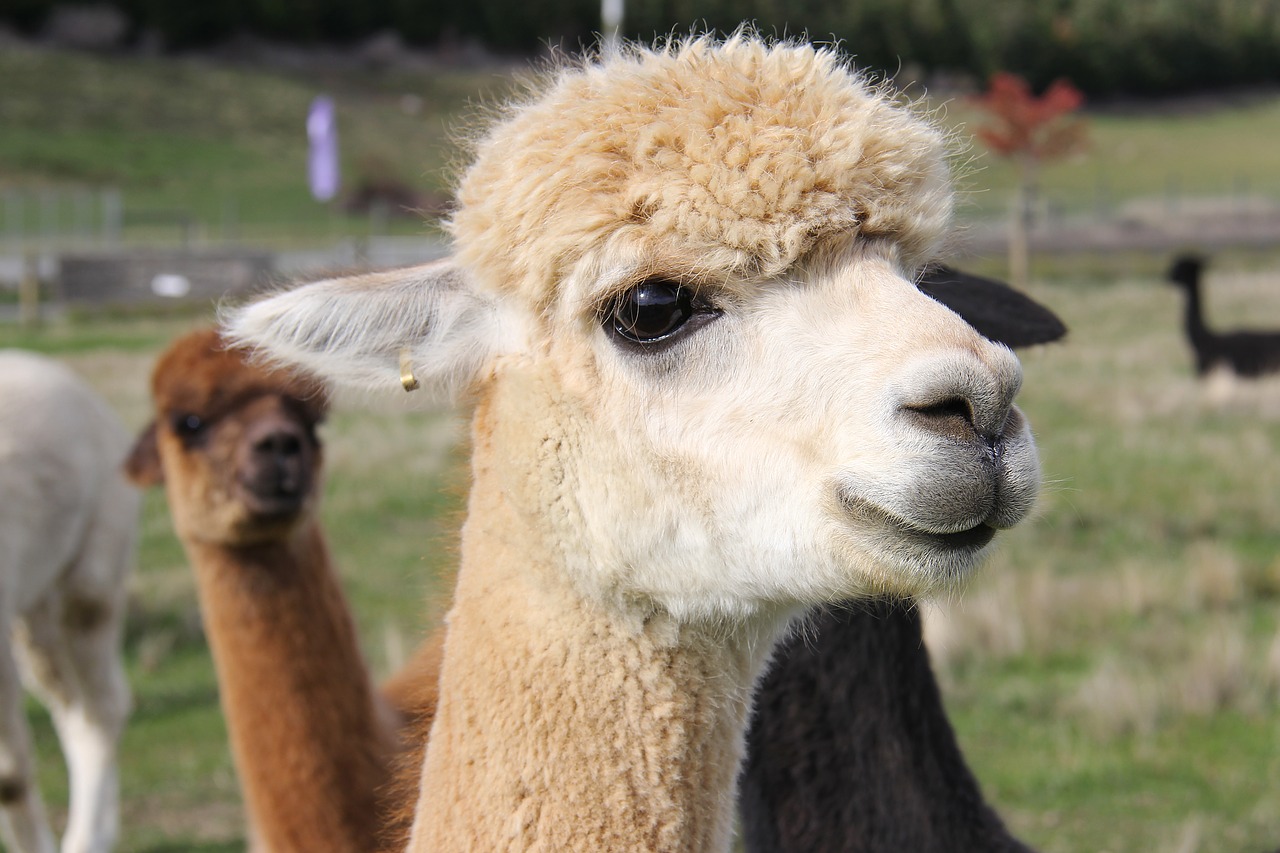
{"x": 611, "y": 12}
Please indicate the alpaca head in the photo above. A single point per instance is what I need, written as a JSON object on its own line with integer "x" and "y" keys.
{"x": 233, "y": 442}
{"x": 683, "y": 299}
{"x": 1186, "y": 270}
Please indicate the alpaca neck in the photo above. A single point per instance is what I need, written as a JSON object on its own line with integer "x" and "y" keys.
{"x": 309, "y": 738}
{"x": 851, "y": 749}
{"x": 566, "y": 725}
{"x": 1193, "y": 318}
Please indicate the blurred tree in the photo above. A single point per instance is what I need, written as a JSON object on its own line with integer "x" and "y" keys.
{"x": 1030, "y": 131}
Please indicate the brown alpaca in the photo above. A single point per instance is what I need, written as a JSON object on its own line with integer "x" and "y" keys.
{"x": 236, "y": 448}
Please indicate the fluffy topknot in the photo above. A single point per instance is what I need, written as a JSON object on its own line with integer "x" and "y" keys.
{"x": 741, "y": 154}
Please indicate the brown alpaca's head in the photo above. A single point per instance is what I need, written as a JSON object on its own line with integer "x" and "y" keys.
{"x": 234, "y": 443}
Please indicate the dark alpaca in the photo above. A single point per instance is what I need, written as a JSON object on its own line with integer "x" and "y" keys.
{"x": 1244, "y": 353}
{"x": 850, "y": 748}
{"x": 996, "y": 310}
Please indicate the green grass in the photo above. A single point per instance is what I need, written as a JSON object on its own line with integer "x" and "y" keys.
{"x": 215, "y": 141}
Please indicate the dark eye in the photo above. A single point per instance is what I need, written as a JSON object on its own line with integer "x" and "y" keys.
{"x": 187, "y": 425}
{"x": 653, "y": 311}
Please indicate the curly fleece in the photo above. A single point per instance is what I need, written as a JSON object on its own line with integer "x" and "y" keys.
{"x": 741, "y": 154}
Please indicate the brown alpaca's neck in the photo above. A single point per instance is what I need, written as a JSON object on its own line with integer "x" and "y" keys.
{"x": 565, "y": 727}
{"x": 310, "y": 739}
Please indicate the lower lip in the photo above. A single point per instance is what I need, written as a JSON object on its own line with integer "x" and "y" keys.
{"x": 274, "y": 508}
{"x": 972, "y": 539}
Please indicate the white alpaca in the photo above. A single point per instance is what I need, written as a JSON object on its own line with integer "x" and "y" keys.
{"x": 707, "y": 394}
{"x": 68, "y": 521}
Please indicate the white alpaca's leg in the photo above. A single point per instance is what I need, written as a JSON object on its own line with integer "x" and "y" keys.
{"x": 26, "y": 828}
{"x": 93, "y": 615}
{"x": 78, "y": 676}
{"x": 90, "y": 742}
{"x": 73, "y": 652}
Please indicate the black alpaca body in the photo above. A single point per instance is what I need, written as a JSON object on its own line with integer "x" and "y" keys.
{"x": 851, "y": 750}
{"x": 1245, "y": 353}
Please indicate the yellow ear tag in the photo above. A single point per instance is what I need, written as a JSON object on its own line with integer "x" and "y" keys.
{"x": 407, "y": 379}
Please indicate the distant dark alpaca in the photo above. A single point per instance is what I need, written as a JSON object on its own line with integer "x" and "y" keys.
{"x": 1244, "y": 353}
{"x": 850, "y": 749}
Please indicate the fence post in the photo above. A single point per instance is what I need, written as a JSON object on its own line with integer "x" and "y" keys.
{"x": 1172, "y": 194}
{"x": 230, "y": 220}
{"x": 49, "y": 219}
{"x": 82, "y": 204}
{"x": 112, "y": 216}
{"x": 13, "y": 217}
{"x": 29, "y": 290}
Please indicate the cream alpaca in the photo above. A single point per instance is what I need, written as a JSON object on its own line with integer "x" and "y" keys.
{"x": 707, "y": 393}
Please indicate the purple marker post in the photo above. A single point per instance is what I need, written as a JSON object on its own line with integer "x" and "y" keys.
{"x": 322, "y": 160}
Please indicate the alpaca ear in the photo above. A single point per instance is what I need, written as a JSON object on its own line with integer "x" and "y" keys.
{"x": 425, "y": 323}
{"x": 142, "y": 465}
{"x": 995, "y": 309}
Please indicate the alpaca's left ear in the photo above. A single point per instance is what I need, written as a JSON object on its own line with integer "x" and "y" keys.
{"x": 142, "y": 465}
{"x": 375, "y": 330}
{"x": 995, "y": 309}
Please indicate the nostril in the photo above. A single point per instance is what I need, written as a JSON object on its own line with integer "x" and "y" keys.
{"x": 953, "y": 407}
{"x": 279, "y": 444}
{"x": 951, "y": 417}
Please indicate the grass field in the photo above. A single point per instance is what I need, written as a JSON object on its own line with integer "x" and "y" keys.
{"x": 221, "y": 144}
{"x": 1114, "y": 675}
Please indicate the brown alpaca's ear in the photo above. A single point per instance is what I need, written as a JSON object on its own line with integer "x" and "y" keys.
{"x": 142, "y": 466}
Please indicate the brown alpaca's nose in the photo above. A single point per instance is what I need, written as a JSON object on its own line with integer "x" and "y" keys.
{"x": 280, "y": 446}
{"x": 275, "y": 470}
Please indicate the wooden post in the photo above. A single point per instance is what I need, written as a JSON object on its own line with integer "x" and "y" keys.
{"x": 29, "y": 291}
{"x": 1021, "y": 221}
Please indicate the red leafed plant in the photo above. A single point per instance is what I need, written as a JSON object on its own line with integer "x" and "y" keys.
{"x": 1029, "y": 130}
{"x": 1026, "y": 126}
